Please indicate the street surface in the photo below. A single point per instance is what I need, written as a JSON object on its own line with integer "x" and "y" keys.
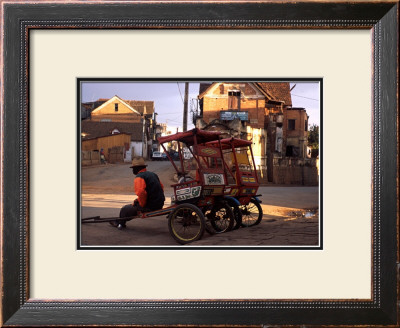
{"x": 291, "y": 216}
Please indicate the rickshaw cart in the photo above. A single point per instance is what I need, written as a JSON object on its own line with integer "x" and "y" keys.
{"x": 242, "y": 179}
{"x": 207, "y": 189}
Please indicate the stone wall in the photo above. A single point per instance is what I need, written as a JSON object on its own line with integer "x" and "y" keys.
{"x": 90, "y": 157}
{"x": 288, "y": 170}
{"x": 116, "y": 155}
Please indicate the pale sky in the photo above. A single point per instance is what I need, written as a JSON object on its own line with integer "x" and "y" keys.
{"x": 168, "y": 97}
{"x": 307, "y": 95}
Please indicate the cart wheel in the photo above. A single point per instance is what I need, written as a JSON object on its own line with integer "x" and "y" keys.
{"x": 237, "y": 212}
{"x": 251, "y": 213}
{"x": 186, "y": 223}
{"x": 221, "y": 217}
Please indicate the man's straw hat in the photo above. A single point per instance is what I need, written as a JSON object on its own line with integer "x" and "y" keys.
{"x": 138, "y": 161}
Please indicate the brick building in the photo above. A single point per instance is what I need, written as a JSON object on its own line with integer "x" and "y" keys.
{"x": 257, "y": 111}
{"x": 296, "y": 121}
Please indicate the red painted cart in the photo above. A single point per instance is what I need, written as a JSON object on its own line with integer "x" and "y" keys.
{"x": 205, "y": 189}
{"x": 242, "y": 179}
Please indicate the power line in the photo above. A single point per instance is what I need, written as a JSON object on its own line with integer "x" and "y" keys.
{"x": 174, "y": 121}
{"x": 304, "y": 97}
{"x": 174, "y": 117}
{"x": 170, "y": 113}
{"x": 180, "y": 92}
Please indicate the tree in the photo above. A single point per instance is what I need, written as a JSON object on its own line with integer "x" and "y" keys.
{"x": 313, "y": 137}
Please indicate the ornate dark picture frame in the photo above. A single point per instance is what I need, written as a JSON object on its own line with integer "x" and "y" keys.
{"x": 19, "y": 18}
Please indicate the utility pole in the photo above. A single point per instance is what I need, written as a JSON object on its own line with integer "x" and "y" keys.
{"x": 185, "y": 106}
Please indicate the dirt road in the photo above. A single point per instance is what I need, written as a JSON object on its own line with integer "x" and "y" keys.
{"x": 106, "y": 188}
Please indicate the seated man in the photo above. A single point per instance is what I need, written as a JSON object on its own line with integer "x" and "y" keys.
{"x": 149, "y": 191}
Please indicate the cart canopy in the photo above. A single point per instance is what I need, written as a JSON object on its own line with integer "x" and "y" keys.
{"x": 188, "y": 137}
{"x": 228, "y": 142}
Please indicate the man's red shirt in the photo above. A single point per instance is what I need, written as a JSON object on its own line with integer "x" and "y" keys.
{"x": 140, "y": 189}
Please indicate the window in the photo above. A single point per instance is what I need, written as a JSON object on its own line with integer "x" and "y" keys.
{"x": 292, "y": 151}
{"x": 234, "y": 99}
{"x": 306, "y": 125}
{"x": 116, "y": 107}
{"x": 291, "y": 124}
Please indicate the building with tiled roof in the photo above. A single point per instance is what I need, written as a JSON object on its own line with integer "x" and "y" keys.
{"x": 94, "y": 129}
{"x": 118, "y": 116}
{"x": 274, "y": 91}
{"x": 137, "y": 132}
{"x": 257, "y": 111}
{"x": 278, "y": 91}
{"x": 143, "y": 107}
{"x": 203, "y": 87}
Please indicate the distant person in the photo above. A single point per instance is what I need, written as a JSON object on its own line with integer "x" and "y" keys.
{"x": 149, "y": 191}
{"x": 102, "y": 157}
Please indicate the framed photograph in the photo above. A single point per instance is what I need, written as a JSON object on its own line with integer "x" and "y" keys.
{"x": 242, "y": 160}
{"x": 71, "y": 68}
